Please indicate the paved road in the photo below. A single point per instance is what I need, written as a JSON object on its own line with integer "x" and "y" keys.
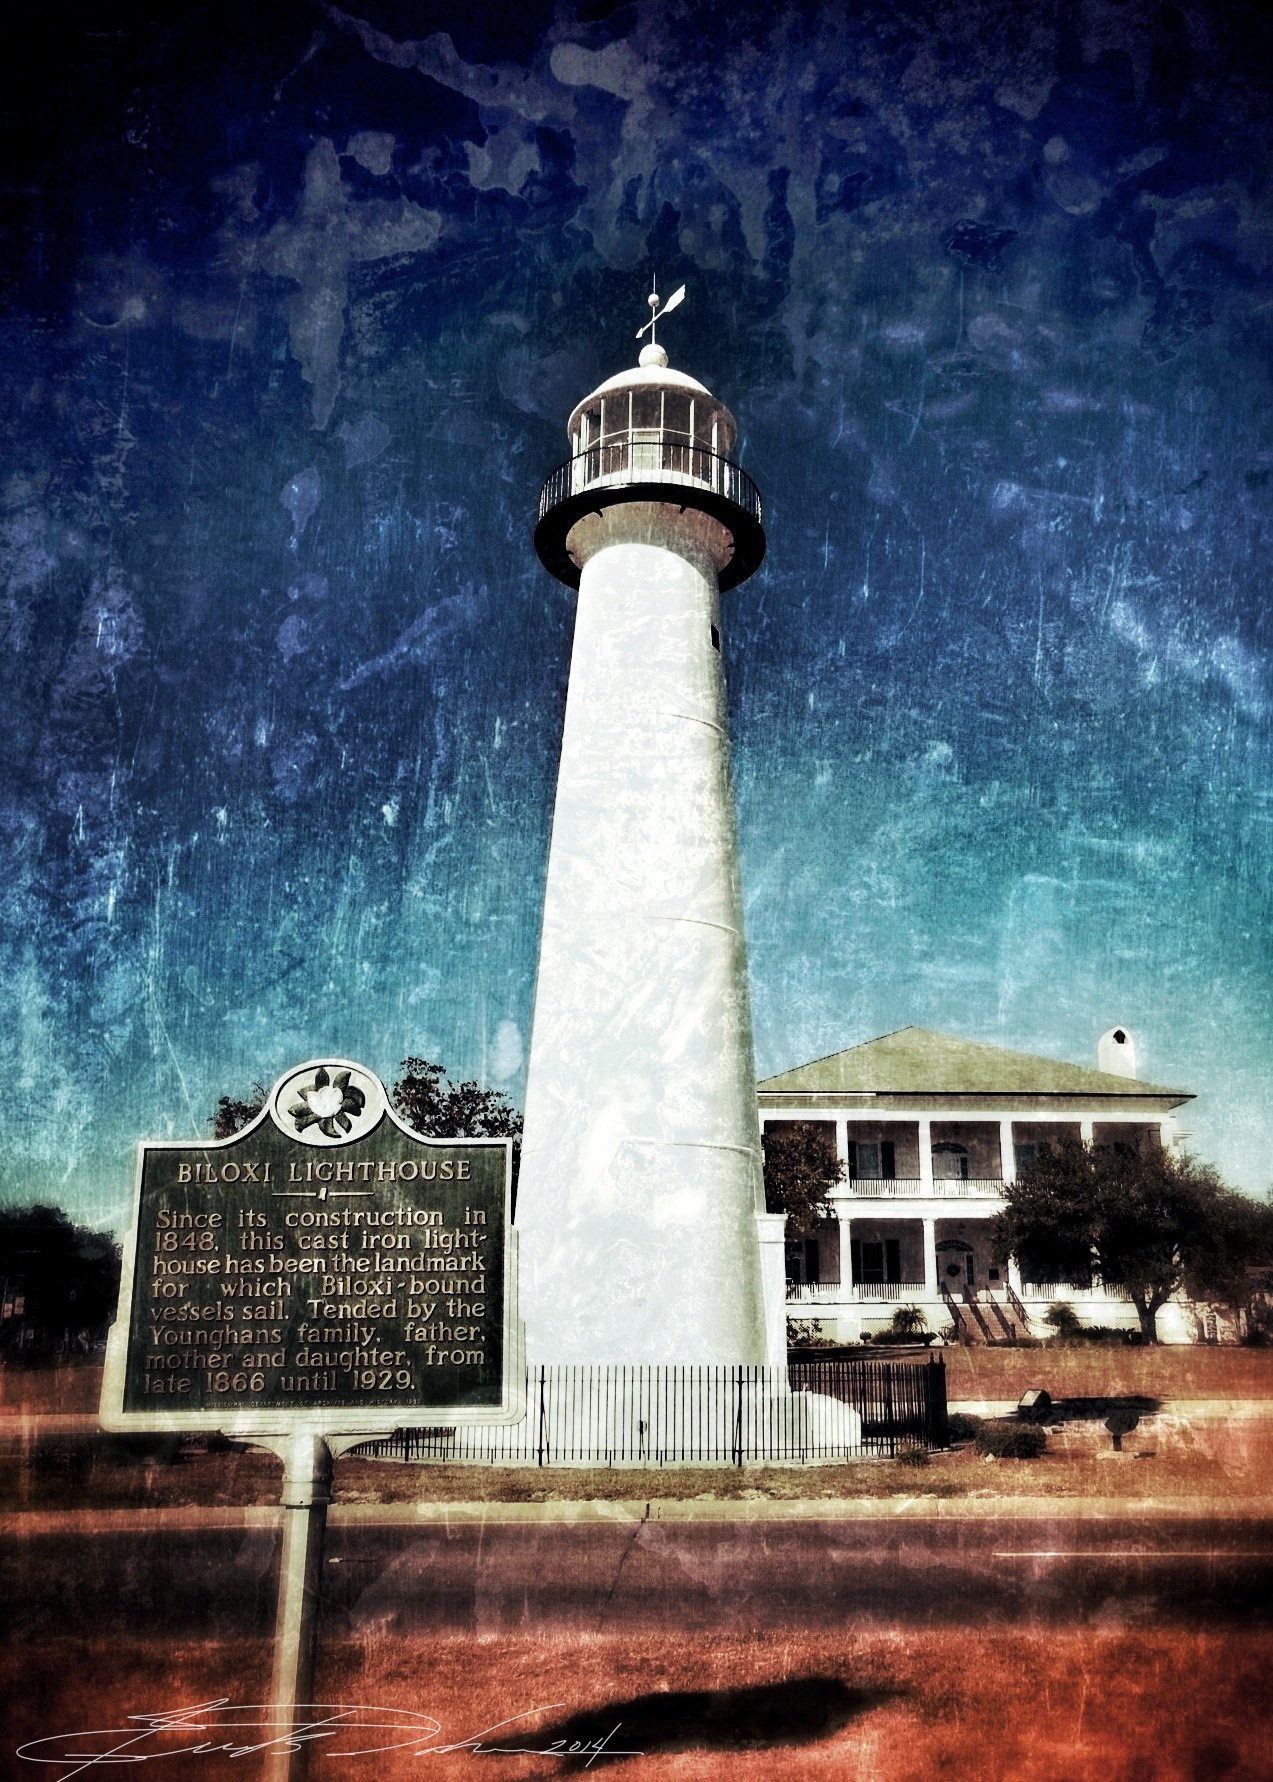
{"x": 214, "y": 1575}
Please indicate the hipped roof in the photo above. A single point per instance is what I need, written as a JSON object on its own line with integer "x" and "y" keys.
{"x": 918, "y": 1061}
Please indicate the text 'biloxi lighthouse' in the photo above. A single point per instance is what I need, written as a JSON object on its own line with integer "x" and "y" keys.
{"x": 641, "y": 1204}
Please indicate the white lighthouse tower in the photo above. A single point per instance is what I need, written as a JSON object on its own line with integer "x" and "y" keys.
{"x": 640, "y": 1205}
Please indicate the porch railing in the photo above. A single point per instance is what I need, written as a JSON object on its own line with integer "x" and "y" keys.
{"x": 807, "y": 1292}
{"x": 1072, "y": 1290}
{"x": 913, "y": 1188}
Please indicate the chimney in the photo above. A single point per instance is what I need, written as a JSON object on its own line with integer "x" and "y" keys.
{"x": 1116, "y": 1053}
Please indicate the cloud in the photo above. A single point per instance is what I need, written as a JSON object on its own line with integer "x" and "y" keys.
{"x": 331, "y": 233}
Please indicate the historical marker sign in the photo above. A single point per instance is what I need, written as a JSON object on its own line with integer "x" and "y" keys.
{"x": 326, "y": 1267}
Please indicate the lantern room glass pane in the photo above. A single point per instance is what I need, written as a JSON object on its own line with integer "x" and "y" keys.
{"x": 676, "y": 417}
{"x": 647, "y": 410}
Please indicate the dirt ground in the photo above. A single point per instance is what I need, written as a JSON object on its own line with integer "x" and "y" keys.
{"x": 1113, "y": 1705}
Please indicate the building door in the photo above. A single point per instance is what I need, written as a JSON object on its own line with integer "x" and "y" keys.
{"x": 950, "y": 1163}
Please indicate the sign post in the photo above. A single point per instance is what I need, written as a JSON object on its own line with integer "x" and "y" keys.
{"x": 323, "y": 1277}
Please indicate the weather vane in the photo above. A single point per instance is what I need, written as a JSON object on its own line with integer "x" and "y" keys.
{"x": 657, "y": 314}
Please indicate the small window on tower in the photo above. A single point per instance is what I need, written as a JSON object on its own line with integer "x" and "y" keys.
{"x": 715, "y": 638}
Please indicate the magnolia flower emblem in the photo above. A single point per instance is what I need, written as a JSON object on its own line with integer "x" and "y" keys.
{"x": 327, "y": 1103}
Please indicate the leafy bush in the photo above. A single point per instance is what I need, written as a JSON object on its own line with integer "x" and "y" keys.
{"x": 960, "y": 1427}
{"x": 912, "y": 1454}
{"x": 1065, "y": 1322}
{"x": 1012, "y": 1441}
{"x": 807, "y": 1333}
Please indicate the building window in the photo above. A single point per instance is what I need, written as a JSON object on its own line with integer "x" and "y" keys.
{"x": 876, "y": 1260}
{"x": 804, "y": 1262}
{"x": 872, "y": 1160}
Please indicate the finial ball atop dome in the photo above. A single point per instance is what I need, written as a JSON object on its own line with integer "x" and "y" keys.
{"x": 653, "y": 354}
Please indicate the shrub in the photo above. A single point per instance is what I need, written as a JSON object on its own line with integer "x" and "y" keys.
{"x": 912, "y": 1454}
{"x": 1012, "y": 1441}
{"x": 807, "y": 1333}
{"x": 960, "y": 1427}
{"x": 1064, "y": 1321}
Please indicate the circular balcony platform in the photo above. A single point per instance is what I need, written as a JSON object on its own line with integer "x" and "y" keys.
{"x": 624, "y": 471}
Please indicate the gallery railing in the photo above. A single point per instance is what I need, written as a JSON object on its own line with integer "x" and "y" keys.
{"x": 625, "y": 460}
{"x": 670, "y": 1416}
{"x": 913, "y": 1188}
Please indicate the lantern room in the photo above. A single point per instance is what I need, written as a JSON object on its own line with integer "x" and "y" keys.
{"x": 651, "y": 434}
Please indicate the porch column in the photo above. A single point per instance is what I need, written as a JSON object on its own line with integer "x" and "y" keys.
{"x": 842, "y": 1140}
{"x": 930, "y": 1258}
{"x": 1085, "y": 1131}
{"x": 846, "y": 1256}
{"x": 925, "y": 1156}
{"x": 1007, "y": 1152}
{"x": 1014, "y": 1276}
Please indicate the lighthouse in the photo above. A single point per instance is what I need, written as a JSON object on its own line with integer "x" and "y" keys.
{"x": 641, "y": 1212}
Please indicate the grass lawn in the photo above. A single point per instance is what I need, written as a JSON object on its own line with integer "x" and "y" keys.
{"x": 1095, "y": 1704}
{"x": 1170, "y": 1456}
{"x": 1166, "y": 1458}
{"x": 1096, "y": 1371}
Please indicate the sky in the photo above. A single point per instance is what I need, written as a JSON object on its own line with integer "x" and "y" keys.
{"x": 294, "y": 304}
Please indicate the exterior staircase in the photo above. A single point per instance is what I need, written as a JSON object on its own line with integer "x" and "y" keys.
{"x": 966, "y": 1316}
{"x": 979, "y": 1317}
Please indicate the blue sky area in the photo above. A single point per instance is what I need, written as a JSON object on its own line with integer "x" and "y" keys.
{"x": 295, "y": 304}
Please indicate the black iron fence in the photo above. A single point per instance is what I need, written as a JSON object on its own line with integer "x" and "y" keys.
{"x": 672, "y": 1416}
{"x": 898, "y": 1401}
{"x": 627, "y": 460}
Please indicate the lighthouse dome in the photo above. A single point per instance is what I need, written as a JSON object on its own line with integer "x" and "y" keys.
{"x": 653, "y": 403}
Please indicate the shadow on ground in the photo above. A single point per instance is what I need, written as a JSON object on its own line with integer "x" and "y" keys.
{"x": 765, "y": 1716}
{"x": 1096, "y": 1410}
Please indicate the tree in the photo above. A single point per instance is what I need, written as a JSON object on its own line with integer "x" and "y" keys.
{"x": 64, "y": 1277}
{"x": 232, "y": 1116}
{"x": 424, "y": 1098}
{"x": 801, "y": 1171}
{"x": 1151, "y": 1222}
{"x": 432, "y": 1105}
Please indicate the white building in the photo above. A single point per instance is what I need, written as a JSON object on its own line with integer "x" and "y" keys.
{"x": 929, "y": 1129}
